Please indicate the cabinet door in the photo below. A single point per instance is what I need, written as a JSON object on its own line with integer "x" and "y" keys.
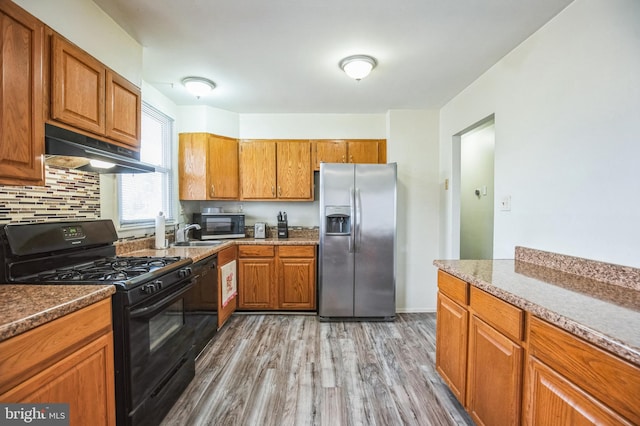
{"x": 21, "y": 113}
{"x": 78, "y": 86}
{"x": 451, "y": 345}
{"x": 192, "y": 166}
{"x": 329, "y": 151}
{"x": 226, "y": 257}
{"x": 222, "y": 170}
{"x": 294, "y": 170}
{"x": 84, "y": 380}
{"x": 123, "y": 110}
{"x": 297, "y": 283}
{"x": 363, "y": 151}
{"x": 255, "y": 286}
{"x": 257, "y": 169}
{"x": 494, "y": 376}
{"x": 554, "y": 400}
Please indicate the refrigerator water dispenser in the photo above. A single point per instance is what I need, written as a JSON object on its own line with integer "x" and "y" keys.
{"x": 338, "y": 220}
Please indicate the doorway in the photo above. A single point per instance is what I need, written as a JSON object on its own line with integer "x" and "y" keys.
{"x": 476, "y": 189}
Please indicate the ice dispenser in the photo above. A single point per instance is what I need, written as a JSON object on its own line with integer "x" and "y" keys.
{"x": 338, "y": 220}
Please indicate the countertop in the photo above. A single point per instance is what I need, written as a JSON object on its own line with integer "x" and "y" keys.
{"x": 24, "y": 307}
{"x": 27, "y": 306}
{"x": 198, "y": 253}
{"x": 605, "y": 314}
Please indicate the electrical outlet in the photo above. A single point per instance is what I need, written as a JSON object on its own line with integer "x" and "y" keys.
{"x": 505, "y": 203}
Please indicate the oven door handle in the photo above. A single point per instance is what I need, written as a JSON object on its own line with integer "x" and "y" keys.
{"x": 150, "y": 310}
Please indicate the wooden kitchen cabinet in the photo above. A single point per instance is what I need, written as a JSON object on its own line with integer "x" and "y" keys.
{"x": 277, "y": 277}
{"x": 276, "y": 170}
{"x": 452, "y": 333}
{"x": 207, "y": 167}
{"x": 67, "y": 360}
{"x": 88, "y": 96}
{"x": 570, "y": 381}
{"x": 21, "y": 92}
{"x": 479, "y": 351}
{"x": 359, "y": 151}
{"x": 257, "y": 169}
{"x": 225, "y": 257}
{"x": 257, "y": 277}
{"x": 297, "y": 277}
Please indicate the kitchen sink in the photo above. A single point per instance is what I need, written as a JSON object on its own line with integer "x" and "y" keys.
{"x": 198, "y": 243}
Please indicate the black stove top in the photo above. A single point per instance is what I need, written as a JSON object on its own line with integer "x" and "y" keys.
{"x": 107, "y": 269}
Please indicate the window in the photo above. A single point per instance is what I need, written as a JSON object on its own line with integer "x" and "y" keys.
{"x": 143, "y": 195}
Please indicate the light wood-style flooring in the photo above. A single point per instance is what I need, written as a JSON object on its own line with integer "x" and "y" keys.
{"x": 294, "y": 370}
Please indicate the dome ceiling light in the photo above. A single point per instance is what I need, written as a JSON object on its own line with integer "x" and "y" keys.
{"x": 198, "y": 86}
{"x": 358, "y": 66}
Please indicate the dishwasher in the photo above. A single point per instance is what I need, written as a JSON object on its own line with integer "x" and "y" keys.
{"x": 201, "y": 302}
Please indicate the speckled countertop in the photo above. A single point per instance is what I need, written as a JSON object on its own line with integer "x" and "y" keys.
{"x": 198, "y": 253}
{"x": 603, "y": 313}
{"x": 24, "y": 307}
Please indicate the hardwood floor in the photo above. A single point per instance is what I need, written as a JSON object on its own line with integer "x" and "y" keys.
{"x": 294, "y": 370}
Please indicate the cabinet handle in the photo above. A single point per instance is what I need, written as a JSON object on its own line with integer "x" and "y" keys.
{"x": 344, "y": 159}
{"x": 279, "y": 191}
{"x": 213, "y": 190}
{"x": 351, "y": 158}
{"x": 273, "y": 191}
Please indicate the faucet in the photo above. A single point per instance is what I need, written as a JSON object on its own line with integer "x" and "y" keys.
{"x": 186, "y": 229}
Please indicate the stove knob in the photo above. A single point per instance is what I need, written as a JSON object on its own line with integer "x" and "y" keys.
{"x": 158, "y": 284}
{"x": 148, "y": 288}
{"x": 185, "y": 272}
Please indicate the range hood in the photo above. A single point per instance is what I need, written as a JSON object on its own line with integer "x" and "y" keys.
{"x": 74, "y": 150}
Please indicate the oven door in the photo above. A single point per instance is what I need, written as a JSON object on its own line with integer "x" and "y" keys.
{"x": 160, "y": 340}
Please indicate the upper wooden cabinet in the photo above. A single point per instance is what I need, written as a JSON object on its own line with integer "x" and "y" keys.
{"x": 349, "y": 151}
{"x": 21, "y": 109}
{"x": 275, "y": 169}
{"x": 123, "y": 110}
{"x": 88, "y": 96}
{"x": 207, "y": 167}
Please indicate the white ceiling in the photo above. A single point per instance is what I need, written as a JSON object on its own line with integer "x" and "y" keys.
{"x": 277, "y": 56}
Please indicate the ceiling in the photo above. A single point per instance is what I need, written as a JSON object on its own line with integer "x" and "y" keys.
{"x": 281, "y": 56}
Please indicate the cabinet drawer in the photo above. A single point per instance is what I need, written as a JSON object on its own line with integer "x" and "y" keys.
{"x": 256, "y": 251}
{"x": 296, "y": 251}
{"x": 453, "y": 287}
{"x": 608, "y": 378}
{"x": 501, "y": 315}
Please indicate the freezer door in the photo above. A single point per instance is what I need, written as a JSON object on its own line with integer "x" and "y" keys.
{"x": 336, "y": 271}
{"x": 375, "y": 240}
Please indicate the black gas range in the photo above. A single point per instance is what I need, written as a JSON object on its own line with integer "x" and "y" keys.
{"x": 153, "y": 341}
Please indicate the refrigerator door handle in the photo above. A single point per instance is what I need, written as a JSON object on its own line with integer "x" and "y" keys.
{"x": 358, "y": 228}
{"x": 352, "y": 234}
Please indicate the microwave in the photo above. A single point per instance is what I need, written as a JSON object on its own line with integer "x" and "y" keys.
{"x": 218, "y": 225}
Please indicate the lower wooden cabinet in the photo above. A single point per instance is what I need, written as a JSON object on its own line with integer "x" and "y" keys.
{"x": 67, "y": 360}
{"x": 494, "y": 376}
{"x": 256, "y": 276}
{"x": 545, "y": 376}
{"x": 570, "y": 381}
{"x": 451, "y": 347}
{"x": 227, "y": 258}
{"x": 276, "y": 277}
{"x": 297, "y": 277}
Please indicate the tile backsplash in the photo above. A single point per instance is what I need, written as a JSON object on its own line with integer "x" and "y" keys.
{"x": 68, "y": 195}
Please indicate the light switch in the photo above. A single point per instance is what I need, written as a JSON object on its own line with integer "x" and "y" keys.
{"x": 505, "y": 203}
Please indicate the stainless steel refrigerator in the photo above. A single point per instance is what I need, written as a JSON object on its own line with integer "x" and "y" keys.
{"x": 357, "y": 261}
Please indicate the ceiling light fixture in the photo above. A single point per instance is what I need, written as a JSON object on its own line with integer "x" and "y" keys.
{"x": 358, "y": 66}
{"x": 198, "y": 86}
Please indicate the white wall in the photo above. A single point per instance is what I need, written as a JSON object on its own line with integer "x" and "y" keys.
{"x": 86, "y": 25}
{"x": 312, "y": 126}
{"x": 567, "y": 108}
{"x": 198, "y": 118}
{"x": 412, "y": 142}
